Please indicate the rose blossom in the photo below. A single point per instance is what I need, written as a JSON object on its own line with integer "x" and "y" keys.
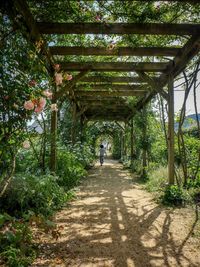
{"x": 38, "y": 109}
{"x": 26, "y": 144}
{"x": 32, "y": 83}
{"x": 29, "y": 105}
{"x": 48, "y": 94}
{"x": 42, "y": 102}
{"x": 54, "y": 107}
{"x": 68, "y": 77}
{"x": 56, "y": 67}
{"x": 111, "y": 46}
{"x": 58, "y": 78}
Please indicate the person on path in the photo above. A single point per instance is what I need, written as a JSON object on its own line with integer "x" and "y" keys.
{"x": 102, "y": 153}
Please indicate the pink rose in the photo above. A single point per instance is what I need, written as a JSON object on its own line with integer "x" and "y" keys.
{"x": 42, "y": 102}
{"x": 48, "y": 94}
{"x": 38, "y": 109}
{"x": 69, "y": 77}
{"x": 111, "y": 46}
{"x": 56, "y": 67}
{"x": 98, "y": 18}
{"x": 26, "y": 144}
{"x": 54, "y": 107}
{"x": 29, "y": 105}
{"x": 32, "y": 83}
{"x": 58, "y": 78}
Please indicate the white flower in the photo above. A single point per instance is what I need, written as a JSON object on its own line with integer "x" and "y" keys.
{"x": 54, "y": 107}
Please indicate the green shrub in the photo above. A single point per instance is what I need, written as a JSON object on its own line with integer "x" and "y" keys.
{"x": 157, "y": 179}
{"x": 193, "y": 183}
{"x": 83, "y": 154}
{"x": 16, "y": 248}
{"x": 41, "y": 194}
{"x": 69, "y": 170}
{"x": 174, "y": 195}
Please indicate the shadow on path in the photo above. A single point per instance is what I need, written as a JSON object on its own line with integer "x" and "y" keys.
{"x": 115, "y": 223}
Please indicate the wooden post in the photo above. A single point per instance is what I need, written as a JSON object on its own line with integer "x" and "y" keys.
{"x": 144, "y": 151}
{"x": 171, "y": 168}
{"x": 53, "y": 137}
{"x": 122, "y": 145}
{"x": 132, "y": 144}
{"x": 124, "y": 141}
{"x": 73, "y": 128}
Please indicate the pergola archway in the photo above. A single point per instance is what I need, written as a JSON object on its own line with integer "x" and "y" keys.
{"x": 100, "y": 97}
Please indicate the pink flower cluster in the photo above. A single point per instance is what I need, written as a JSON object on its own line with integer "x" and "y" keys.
{"x": 26, "y": 144}
{"x": 48, "y": 94}
{"x": 54, "y": 107}
{"x": 58, "y": 78}
{"x": 68, "y": 77}
{"x": 36, "y": 104}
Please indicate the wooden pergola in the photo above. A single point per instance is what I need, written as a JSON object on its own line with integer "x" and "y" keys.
{"x": 100, "y": 97}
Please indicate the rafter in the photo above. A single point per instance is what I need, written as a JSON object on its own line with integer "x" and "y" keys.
{"x": 153, "y": 84}
{"x": 116, "y": 87}
{"x": 118, "y": 28}
{"x": 118, "y": 51}
{"x": 108, "y": 93}
{"x": 115, "y": 66}
{"x": 107, "y": 79}
{"x": 71, "y": 84}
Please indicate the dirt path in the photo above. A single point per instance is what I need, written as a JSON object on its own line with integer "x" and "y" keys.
{"x": 116, "y": 223}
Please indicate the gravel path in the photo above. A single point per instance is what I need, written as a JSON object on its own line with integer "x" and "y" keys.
{"x": 114, "y": 222}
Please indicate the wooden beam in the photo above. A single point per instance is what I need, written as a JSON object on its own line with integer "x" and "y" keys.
{"x": 153, "y": 84}
{"x": 115, "y": 66}
{"x": 105, "y": 87}
{"x": 71, "y": 84}
{"x": 118, "y": 28}
{"x": 108, "y": 93}
{"x": 190, "y": 49}
{"x": 118, "y": 51}
{"x": 102, "y": 118}
{"x": 101, "y": 79}
{"x": 34, "y": 33}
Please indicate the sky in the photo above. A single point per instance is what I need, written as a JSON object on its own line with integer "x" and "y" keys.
{"x": 179, "y": 96}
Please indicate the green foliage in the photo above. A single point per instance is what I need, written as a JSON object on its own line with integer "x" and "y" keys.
{"x": 83, "y": 154}
{"x": 157, "y": 179}
{"x": 16, "y": 247}
{"x": 69, "y": 170}
{"x": 41, "y": 194}
{"x": 174, "y": 195}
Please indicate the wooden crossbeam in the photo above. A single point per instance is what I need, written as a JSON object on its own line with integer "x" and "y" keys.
{"x": 118, "y": 51}
{"x": 153, "y": 84}
{"x": 108, "y": 93}
{"x": 71, "y": 84}
{"x": 102, "y": 79}
{"x": 118, "y": 28}
{"x": 116, "y": 87}
{"x": 32, "y": 29}
{"x": 189, "y": 50}
{"x": 115, "y": 66}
